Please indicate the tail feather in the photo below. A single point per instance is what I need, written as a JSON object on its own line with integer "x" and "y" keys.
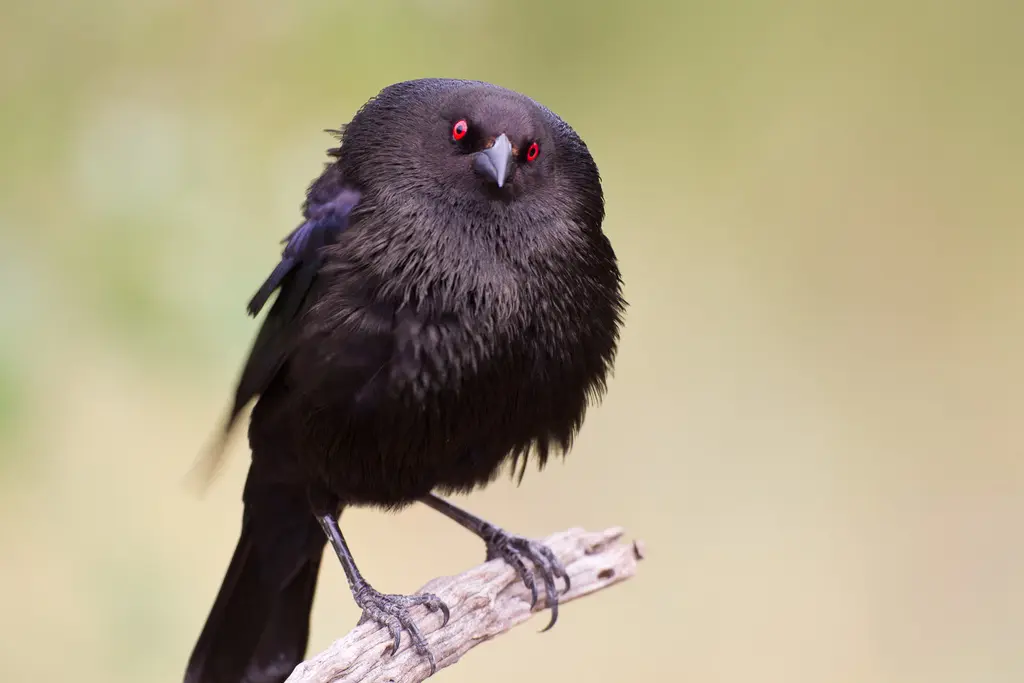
{"x": 283, "y": 644}
{"x": 258, "y": 627}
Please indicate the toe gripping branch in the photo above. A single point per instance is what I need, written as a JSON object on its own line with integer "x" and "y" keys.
{"x": 516, "y": 550}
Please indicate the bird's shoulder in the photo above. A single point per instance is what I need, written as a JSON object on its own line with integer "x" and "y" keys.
{"x": 328, "y": 213}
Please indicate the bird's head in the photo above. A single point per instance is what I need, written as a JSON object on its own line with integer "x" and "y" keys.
{"x": 468, "y": 142}
{"x": 493, "y": 138}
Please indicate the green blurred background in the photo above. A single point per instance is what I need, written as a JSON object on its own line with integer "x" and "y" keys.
{"x": 816, "y": 419}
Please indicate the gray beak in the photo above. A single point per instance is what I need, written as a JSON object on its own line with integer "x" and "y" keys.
{"x": 495, "y": 161}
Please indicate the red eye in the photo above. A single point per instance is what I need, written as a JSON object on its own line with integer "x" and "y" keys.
{"x": 533, "y": 152}
{"x": 460, "y": 129}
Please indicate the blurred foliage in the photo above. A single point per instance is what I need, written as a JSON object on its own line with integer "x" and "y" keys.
{"x": 815, "y": 421}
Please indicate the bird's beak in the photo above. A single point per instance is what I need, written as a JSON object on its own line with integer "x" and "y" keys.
{"x": 495, "y": 161}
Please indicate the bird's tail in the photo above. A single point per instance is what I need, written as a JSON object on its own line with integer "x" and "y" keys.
{"x": 258, "y": 627}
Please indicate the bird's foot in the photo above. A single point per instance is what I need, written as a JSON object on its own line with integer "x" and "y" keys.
{"x": 514, "y": 550}
{"x": 392, "y": 612}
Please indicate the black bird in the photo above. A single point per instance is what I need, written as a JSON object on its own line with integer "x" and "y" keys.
{"x": 450, "y": 305}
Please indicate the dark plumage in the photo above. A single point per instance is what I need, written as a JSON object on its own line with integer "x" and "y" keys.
{"x": 449, "y": 305}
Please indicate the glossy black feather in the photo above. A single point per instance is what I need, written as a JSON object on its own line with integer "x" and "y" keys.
{"x": 302, "y": 250}
{"x": 301, "y": 259}
{"x": 430, "y": 328}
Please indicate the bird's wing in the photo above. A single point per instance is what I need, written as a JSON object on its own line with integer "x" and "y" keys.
{"x": 293, "y": 276}
{"x": 327, "y": 215}
{"x": 324, "y": 222}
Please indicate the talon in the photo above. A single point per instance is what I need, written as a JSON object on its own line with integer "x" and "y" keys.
{"x": 433, "y": 604}
{"x": 528, "y": 579}
{"x": 556, "y": 565}
{"x": 392, "y": 612}
{"x": 532, "y": 585}
{"x": 552, "y": 592}
{"x": 546, "y": 566}
{"x": 554, "y": 615}
{"x": 420, "y": 645}
{"x": 396, "y": 633}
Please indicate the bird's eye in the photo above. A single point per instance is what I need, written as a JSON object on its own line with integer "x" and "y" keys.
{"x": 460, "y": 129}
{"x": 533, "y": 152}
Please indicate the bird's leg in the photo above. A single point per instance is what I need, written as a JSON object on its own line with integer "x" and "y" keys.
{"x": 390, "y": 611}
{"x": 514, "y": 550}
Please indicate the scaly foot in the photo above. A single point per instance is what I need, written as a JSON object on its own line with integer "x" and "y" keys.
{"x": 514, "y": 550}
{"x": 392, "y": 612}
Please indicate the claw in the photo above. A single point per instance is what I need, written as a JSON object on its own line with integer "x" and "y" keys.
{"x": 552, "y": 591}
{"x": 396, "y": 632}
{"x": 554, "y": 618}
{"x": 527, "y": 576}
{"x": 392, "y": 612}
{"x": 556, "y": 567}
{"x": 514, "y": 550}
{"x": 433, "y": 603}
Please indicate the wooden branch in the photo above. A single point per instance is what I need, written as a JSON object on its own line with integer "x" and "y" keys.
{"x": 485, "y": 602}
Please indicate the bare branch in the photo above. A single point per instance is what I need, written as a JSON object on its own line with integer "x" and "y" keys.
{"x": 485, "y": 602}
